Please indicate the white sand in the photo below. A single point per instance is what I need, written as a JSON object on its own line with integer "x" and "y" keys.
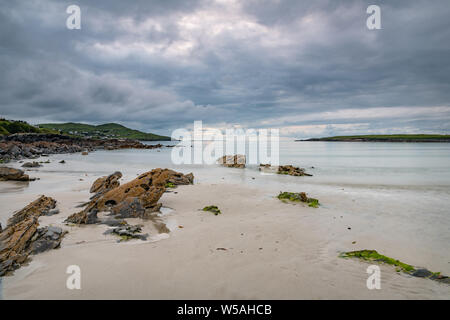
{"x": 274, "y": 251}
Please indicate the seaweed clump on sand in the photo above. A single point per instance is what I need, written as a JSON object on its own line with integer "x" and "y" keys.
{"x": 298, "y": 197}
{"x": 374, "y": 256}
{"x": 213, "y": 209}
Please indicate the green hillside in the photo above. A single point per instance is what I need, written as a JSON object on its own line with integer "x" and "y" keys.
{"x": 389, "y": 138}
{"x": 12, "y": 126}
{"x": 108, "y": 130}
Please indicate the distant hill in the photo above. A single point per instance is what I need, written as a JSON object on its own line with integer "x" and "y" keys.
{"x": 108, "y": 130}
{"x": 388, "y": 138}
{"x": 8, "y": 127}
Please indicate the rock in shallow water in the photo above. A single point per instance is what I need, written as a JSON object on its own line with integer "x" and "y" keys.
{"x": 236, "y": 161}
{"x": 33, "y": 164}
{"x": 11, "y": 174}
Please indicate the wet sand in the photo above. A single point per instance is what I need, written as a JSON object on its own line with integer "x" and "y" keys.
{"x": 272, "y": 250}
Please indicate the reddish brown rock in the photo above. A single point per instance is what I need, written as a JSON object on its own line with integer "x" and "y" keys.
{"x": 106, "y": 183}
{"x": 137, "y": 198}
{"x": 38, "y": 207}
{"x": 22, "y": 236}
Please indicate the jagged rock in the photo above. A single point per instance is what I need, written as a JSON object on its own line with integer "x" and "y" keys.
{"x": 177, "y": 178}
{"x": 39, "y": 207}
{"x": 22, "y": 236}
{"x": 48, "y": 238}
{"x": 13, "y": 175}
{"x": 33, "y": 164}
{"x": 106, "y": 183}
{"x": 236, "y": 161}
{"x": 137, "y": 198}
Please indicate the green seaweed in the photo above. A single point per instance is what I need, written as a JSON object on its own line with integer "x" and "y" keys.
{"x": 298, "y": 197}
{"x": 170, "y": 185}
{"x": 313, "y": 203}
{"x": 373, "y": 255}
{"x": 213, "y": 209}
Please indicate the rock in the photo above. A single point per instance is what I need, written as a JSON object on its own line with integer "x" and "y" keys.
{"x": 52, "y": 212}
{"x": 33, "y": 164}
{"x": 127, "y": 232}
{"x": 39, "y": 207}
{"x": 1, "y": 229}
{"x": 32, "y": 145}
{"x": 298, "y": 197}
{"x": 236, "y": 161}
{"x": 292, "y": 171}
{"x": 48, "y": 238}
{"x": 22, "y": 236}
{"x": 287, "y": 169}
{"x": 12, "y": 174}
{"x": 62, "y": 161}
{"x": 137, "y": 198}
{"x": 103, "y": 184}
{"x": 422, "y": 273}
{"x": 84, "y": 153}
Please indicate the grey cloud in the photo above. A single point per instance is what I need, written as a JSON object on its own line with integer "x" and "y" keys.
{"x": 160, "y": 65}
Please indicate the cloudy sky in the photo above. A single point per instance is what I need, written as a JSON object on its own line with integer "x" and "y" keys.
{"x": 309, "y": 68}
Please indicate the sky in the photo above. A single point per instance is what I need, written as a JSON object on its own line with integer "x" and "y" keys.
{"x": 307, "y": 68}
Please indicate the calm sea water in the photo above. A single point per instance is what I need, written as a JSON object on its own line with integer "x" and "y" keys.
{"x": 395, "y": 196}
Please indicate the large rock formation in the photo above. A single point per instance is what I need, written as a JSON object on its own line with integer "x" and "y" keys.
{"x": 137, "y": 198}
{"x": 13, "y": 175}
{"x": 236, "y": 161}
{"x": 23, "y": 237}
{"x": 33, "y": 145}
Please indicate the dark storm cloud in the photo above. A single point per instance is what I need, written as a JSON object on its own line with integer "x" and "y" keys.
{"x": 307, "y": 67}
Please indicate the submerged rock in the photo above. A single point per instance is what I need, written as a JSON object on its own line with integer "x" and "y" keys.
{"x": 11, "y": 174}
{"x": 135, "y": 199}
{"x": 236, "y": 161}
{"x": 287, "y": 169}
{"x": 33, "y": 164}
{"x": 22, "y": 236}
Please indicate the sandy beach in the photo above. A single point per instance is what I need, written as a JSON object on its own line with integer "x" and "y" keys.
{"x": 258, "y": 248}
